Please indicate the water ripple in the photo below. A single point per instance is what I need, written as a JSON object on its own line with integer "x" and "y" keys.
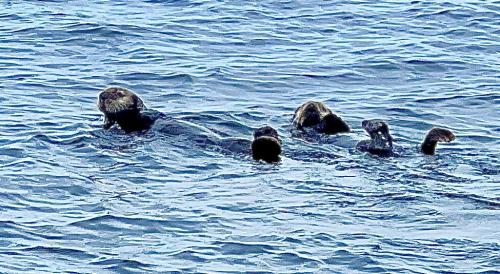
{"x": 79, "y": 199}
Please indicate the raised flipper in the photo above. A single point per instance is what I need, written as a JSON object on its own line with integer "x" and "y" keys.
{"x": 434, "y": 136}
{"x": 332, "y": 124}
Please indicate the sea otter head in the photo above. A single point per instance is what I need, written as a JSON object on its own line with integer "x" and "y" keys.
{"x": 118, "y": 104}
{"x": 266, "y": 144}
{"x": 381, "y": 139}
{"x": 309, "y": 114}
{"x": 115, "y": 100}
{"x": 266, "y": 131}
{"x": 434, "y": 136}
{"x": 318, "y": 115}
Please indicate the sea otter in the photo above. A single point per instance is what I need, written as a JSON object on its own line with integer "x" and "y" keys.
{"x": 266, "y": 144}
{"x": 123, "y": 107}
{"x": 381, "y": 141}
{"x": 320, "y": 117}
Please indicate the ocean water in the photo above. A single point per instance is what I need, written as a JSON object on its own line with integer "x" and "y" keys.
{"x": 77, "y": 199}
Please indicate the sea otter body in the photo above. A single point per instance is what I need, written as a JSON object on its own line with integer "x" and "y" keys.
{"x": 316, "y": 115}
{"x": 123, "y": 107}
{"x": 381, "y": 141}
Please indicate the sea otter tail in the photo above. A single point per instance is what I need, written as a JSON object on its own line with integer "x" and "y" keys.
{"x": 434, "y": 136}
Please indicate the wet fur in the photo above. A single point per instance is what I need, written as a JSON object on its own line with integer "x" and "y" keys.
{"x": 125, "y": 108}
{"x": 433, "y": 137}
{"x": 320, "y": 117}
{"x": 266, "y": 145}
{"x": 381, "y": 141}
{"x": 122, "y": 106}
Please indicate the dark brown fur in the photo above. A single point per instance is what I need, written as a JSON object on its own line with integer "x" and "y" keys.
{"x": 122, "y": 106}
{"x": 317, "y": 115}
{"x": 434, "y": 136}
{"x": 380, "y": 142}
{"x": 266, "y": 144}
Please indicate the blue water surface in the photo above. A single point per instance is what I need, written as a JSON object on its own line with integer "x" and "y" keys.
{"x": 77, "y": 199}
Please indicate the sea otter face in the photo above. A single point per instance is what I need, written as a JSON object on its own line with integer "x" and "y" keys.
{"x": 115, "y": 100}
{"x": 310, "y": 114}
{"x": 375, "y": 125}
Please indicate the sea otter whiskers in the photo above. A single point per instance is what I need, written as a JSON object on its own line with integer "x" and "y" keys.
{"x": 116, "y": 99}
{"x": 381, "y": 142}
{"x": 321, "y": 118}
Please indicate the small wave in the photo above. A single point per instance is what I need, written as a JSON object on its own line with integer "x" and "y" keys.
{"x": 141, "y": 76}
{"x": 122, "y": 265}
{"x": 114, "y": 223}
{"x": 492, "y": 203}
{"x": 452, "y": 13}
{"x": 70, "y": 252}
{"x": 243, "y": 248}
{"x": 78, "y": 198}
